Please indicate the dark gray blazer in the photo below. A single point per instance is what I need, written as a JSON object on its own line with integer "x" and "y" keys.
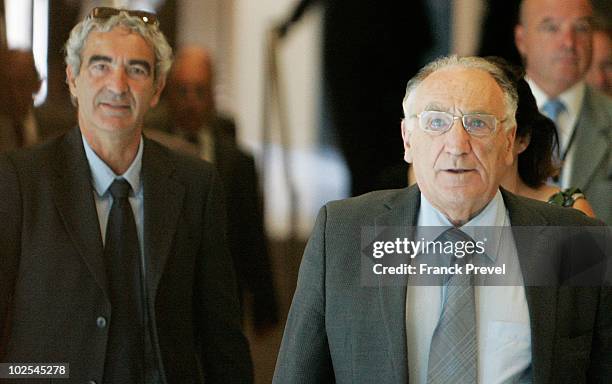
{"x": 341, "y": 331}
{"x": 592, "y": 164}
{"x": 53, "y": 286}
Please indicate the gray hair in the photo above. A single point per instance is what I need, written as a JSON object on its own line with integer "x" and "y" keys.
{"x": 150, "y": 33}
{"x": 506, "y": 85}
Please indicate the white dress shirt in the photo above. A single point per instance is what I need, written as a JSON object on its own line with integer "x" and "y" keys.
{"x": 502, "y": 316}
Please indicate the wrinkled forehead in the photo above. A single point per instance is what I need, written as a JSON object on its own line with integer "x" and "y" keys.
{"x": 118, "y": 38}
{"x": 458, "y": 90}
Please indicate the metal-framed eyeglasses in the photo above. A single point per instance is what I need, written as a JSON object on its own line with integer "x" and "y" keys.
{"x": 476, "y": 124}
{"x": 107, "y": 12}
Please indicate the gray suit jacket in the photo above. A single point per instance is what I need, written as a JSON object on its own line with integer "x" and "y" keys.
{"x": 341, "y": 331}
{"x": 592, "y": 165}
{"x": 53, "y": 285}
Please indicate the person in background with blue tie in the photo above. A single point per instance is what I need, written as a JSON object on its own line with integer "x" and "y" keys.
{"x": 555, "y": 40}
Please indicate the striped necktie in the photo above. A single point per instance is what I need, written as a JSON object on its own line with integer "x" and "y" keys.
{"x": 453, "y": 354}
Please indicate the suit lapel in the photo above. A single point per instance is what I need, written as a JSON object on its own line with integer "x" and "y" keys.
{"x": 541, "y": 301}
{"x": 590, "y": 143}
{"x": 163, "y": 204}
{"x": 73, "y": 196}
{"x": 401, "y": 213}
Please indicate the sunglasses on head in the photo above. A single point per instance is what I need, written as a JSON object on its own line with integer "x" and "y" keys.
{"x": 107, "y": 12}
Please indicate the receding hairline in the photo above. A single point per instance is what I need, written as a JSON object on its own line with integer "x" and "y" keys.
{"x": 193, "y": 54}
{"x": 451, "y": 67}
{"x": 522, "y": 10}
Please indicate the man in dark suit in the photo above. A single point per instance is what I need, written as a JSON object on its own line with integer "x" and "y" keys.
{"x": 350, "y": 324}
{"x": 556, "y": 42}
{"x": 113, "y": 254}
{"x": 195, "y": 127}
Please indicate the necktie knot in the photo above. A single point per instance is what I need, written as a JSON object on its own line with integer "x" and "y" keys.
{"x": 455, "y": 235}
{"x": 120, "y": 189}
{"x": 552, "y": 109}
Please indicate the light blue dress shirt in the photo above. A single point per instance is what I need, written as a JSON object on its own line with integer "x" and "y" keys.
{"x": 502, "y": 317}
{"x": 102, "y": 177}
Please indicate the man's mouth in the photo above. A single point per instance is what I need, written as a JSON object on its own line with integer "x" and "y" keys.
{"x": 458, "y": 171}
{"x": 115, "y": 105}
{"x": 115, "y": 109}
{"x": 571, "y": 59}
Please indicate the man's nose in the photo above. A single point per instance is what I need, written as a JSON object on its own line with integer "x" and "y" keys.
{"x": 568, "y": 38}
{"x": 457, "y": 139}
{"x": 118, "y": 81}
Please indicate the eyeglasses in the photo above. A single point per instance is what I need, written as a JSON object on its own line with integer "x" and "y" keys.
{"x": 107, "y": 12}
{"x": 476, "y": 124}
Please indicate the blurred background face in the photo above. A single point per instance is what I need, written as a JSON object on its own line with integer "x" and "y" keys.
{"x": 600, "y": 73}
{"x": 190, "y": 91}
{"x": 555, "y": 39}
{"x": 455, "y": 170}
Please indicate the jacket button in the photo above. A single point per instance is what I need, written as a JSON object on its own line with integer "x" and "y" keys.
{"x": 101, "y": 323}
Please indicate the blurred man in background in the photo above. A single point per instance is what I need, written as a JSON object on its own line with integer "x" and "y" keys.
{"x": 195, "y": 127}
{"x": 555, "y": 41}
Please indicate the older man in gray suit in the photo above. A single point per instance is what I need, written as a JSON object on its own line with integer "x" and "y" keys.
{"x": 458, "y": 133}
{"x": 555, "y": 40}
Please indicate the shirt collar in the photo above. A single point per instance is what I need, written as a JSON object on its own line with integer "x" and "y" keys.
{"x": 494, "y": 215}
{"x": 572, "y": 97}
{"x": 103, "y": 176}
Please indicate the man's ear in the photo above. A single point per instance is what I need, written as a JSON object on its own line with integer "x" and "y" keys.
{"x": 406, "y": 138}
{"x": 519, "y": 38}
{"x": 521, "y": 143}
{"x": 509, "y": 137}
{"x": 71, "y": 80}
{"x": 161, "y": 83}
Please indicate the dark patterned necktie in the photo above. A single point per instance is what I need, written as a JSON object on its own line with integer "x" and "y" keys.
{"x": 125, "y": 350}
{"x": 453, "y": 354}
